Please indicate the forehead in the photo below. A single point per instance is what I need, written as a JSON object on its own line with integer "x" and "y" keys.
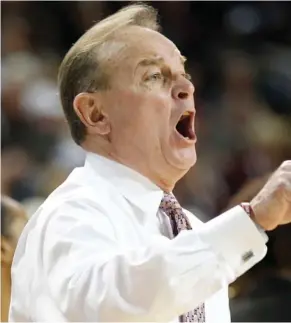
{"x": 138, "y": 43}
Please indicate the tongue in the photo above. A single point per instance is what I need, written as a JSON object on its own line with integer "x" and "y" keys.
{"x": 191, "y": 133}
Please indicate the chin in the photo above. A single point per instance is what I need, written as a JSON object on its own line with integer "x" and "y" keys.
{"x": 183, "y": 159}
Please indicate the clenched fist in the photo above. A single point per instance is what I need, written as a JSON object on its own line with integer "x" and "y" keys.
{"x": 272, "y": 206}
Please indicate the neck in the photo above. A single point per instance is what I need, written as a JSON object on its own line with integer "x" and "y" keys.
{"x": 5, "y": 292}
{"x": 140, "y": 167}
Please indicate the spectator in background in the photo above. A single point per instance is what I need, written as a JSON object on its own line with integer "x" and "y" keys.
{"x": 13, "y": 220}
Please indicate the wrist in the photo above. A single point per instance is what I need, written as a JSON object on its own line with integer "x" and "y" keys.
{"x": 247, "y": 207}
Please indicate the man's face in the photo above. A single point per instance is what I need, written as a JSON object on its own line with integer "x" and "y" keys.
{"x": 150, "y": 94}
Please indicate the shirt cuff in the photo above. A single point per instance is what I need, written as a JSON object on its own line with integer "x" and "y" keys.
{"x": 247, "y": 208}
{"x": 236, "y": 239}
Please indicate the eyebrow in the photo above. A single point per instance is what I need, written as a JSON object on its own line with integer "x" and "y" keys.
{"x": 151, "y": 61}
{"x": 157, "y": 61}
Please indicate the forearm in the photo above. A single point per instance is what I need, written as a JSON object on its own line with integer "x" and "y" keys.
{"x": 165, "y": 279}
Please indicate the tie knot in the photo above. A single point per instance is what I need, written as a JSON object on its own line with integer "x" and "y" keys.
{"x": 173, "y": 209}
{"x": 169, "y": 203}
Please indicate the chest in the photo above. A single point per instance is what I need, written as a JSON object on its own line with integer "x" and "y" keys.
{"x": 133, "y": 226}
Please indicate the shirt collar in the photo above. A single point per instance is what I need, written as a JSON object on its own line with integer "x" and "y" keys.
{"x": 136, "y": 188}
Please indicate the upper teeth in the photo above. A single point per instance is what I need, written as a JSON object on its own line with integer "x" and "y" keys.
{"x": 185, "y": 114}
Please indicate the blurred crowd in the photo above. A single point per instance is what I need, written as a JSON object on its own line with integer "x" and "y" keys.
{"x": 239, "y": 56}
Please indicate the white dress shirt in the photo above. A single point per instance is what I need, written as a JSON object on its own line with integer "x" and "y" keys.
{"x": 99, "y": 250}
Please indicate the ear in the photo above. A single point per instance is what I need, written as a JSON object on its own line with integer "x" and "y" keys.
{"x": 88, "y": 107}
{"x": 7, "y": 252}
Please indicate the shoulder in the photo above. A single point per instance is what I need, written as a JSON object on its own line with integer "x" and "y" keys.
{"x": 79, "y": 200}
{"x": 79, "y": 190}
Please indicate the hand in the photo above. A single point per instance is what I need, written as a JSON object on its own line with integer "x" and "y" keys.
{"x": 272, "y": 206}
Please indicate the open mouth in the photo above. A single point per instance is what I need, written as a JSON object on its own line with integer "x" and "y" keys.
{"x": 185, "y": 125}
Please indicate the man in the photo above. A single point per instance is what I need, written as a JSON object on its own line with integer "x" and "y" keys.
{"x": 112, "y": 243}
{"x": 13, "y": 220}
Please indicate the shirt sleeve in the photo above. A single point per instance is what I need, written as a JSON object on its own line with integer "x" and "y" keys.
{"x": 93, "y": 277}
{"x": 234, "y": 236}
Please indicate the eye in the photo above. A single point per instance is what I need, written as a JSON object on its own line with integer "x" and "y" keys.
{"x": 155, "y": 77}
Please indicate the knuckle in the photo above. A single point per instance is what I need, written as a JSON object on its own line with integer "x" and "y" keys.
{"x": 286, "y": 165}
{"x": 282, "y": 184}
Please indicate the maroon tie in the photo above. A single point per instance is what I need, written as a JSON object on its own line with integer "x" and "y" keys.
{"x": 179, "y": 222}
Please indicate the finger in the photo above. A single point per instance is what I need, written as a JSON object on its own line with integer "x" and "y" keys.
{"x": 286, "y": 166}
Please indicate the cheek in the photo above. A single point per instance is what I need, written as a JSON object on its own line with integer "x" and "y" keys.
{"x": 161, "y": 115}
{"x": 141, "y": 113}
{"x": 155, "y": 109}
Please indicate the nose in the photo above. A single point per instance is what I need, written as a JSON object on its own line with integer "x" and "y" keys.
{"x": 183, "y": 89}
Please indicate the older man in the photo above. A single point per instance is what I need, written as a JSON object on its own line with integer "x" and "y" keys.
{"x": 112, "y": 243}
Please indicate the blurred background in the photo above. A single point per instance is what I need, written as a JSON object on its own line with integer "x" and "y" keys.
{"x": 239, "y": 56}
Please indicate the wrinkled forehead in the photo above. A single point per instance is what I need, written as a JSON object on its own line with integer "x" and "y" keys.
{"x": 133, "y": 44}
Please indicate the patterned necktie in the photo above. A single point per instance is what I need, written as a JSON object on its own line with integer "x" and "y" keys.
{"x": 179, "y": 222}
